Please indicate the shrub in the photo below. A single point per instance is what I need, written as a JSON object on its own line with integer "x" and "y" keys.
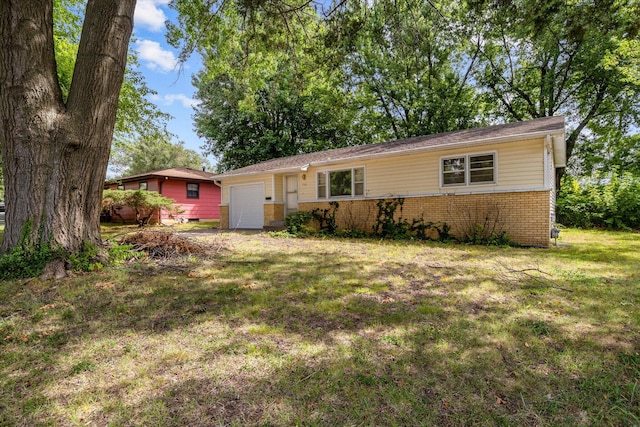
{"x": 298, "y": 223}
{"x": 593, "y": 203}
{"x": 387, "y": 226}
{"x": 144, "y": 203}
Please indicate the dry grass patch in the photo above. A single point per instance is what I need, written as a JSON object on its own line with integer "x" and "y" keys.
{"x": 332, "y": 332}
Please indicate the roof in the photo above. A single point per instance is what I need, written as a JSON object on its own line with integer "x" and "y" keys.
{"x": 449, "y": 140}
{"x": 176, "y": 173}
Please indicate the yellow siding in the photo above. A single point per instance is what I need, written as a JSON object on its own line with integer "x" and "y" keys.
{"x": 264, "y": 179}
{"x": 278, "y": 187}
{"x": 520, "y": 166}
{"x": 307, "y": 185}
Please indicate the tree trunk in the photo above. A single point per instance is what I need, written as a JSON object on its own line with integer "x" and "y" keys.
{"x": 54, "y": 154}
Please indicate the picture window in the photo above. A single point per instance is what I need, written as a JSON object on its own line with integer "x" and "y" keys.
{"x": 340, "y": 183}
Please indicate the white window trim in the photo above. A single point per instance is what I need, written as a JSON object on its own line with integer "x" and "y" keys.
{"x": 467, "y": 169}
{"x": 326, "y": 172}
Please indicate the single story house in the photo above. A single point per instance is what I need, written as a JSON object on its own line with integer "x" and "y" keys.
{"x": 193, "y": 190}
{"x": 500, "y": 176}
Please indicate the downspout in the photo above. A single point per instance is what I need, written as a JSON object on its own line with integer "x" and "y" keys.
{"x": 548, "y": 148}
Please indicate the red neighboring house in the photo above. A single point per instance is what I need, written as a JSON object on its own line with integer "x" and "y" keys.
{"x": 193, "y": 190}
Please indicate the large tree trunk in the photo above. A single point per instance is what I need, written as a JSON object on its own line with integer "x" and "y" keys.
{"x": 54, "y": 154}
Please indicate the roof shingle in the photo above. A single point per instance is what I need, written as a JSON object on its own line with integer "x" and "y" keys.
{"x": 436, "y": 141}
{"x": 178, "y": 173}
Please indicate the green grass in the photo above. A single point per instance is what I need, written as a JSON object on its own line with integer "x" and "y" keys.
{"x": 109, "y": 230}
{"x": 333, "y": 332}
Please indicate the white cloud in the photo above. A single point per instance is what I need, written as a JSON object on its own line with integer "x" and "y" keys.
{"x": 149, "y": 15}
{"x": 154, "y": 57}
{"x": 179, "y": 97}
{"x": 169, "y": 99}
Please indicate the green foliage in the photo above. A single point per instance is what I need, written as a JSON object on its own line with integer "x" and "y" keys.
{"x": 279, "y": 81}
{"x": 144, "y": 203}
{"x": 298, "y": 223}
{"x": 478, "y": 235}
{"x": 483, "y": 224}
{"x": 612, "y": 204}
{"x": 136, "y": 114}
{"x": 137, "y": 118}
{"x": 28, "y": 258}
{"x": 288, "y": 113}
{"x": 409, "y": 69}
{"x": 90, "y": 258}
{"x": 154, "y": 152}
{"x": 387, "y": 226}
{"x": 580, "y": 59}
{"x": 327, "y": 218}
{"x": 86, "y": 259}
{"x": 353, "y": 233}
{"x": 120, "y": 253}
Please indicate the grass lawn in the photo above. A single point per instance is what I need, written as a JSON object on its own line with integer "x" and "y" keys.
{"x": 332, "y": 332}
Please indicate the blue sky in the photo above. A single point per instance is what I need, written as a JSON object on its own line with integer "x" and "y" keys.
{"x": 158, "y": 63}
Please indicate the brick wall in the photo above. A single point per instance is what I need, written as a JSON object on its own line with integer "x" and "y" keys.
{"x": 273, "y": 212}
{"x": 523, "y": 215}
{"x": 224, "y": 217}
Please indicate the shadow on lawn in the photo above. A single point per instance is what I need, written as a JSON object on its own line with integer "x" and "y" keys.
{"x": 440, "y": 374}
{"x": 334, "y": 342}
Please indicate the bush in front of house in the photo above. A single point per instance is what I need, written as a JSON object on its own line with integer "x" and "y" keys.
{"x": 297, "y": 223}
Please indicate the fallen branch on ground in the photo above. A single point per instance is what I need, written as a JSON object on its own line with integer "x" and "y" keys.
{"x": 531, "y": 274}
{"x": 163, "y": 244}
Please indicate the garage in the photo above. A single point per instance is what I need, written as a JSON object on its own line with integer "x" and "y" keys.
{"x": 246, "y": 206}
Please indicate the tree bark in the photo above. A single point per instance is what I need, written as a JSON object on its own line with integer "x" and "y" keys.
{"x": 54, "y": 154}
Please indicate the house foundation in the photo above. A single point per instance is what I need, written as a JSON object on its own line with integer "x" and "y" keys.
{"x": 524, "y": 216}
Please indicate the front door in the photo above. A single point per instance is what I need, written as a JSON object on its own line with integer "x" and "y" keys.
{"x": 291, "y": 193}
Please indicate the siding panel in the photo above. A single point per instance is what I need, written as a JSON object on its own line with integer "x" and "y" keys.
{"x": 205, "y": 207}
{"x": 520, "y": 165}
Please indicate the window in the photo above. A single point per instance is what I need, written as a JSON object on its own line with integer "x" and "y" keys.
{"x": 341, "y": 183}
{"x": 322, "y": 185}
{"x": 481, "y": 168}
{"x": 142, "y": 186}
{"x": 470, "y": 169}
{"x": 453, "y": 171}
{"x": 193, "y": 191}
{"x": 120, "y": 186}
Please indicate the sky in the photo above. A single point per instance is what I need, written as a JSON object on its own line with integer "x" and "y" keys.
{"x": 163, "y": 74}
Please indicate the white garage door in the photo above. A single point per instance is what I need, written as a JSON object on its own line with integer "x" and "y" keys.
{"x": 246, "y": 206}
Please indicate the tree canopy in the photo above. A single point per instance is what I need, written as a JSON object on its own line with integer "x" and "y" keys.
{"x": 402, "y": 68}
{"x": 579, "y": 59}
{"x": 153, "y": 152}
